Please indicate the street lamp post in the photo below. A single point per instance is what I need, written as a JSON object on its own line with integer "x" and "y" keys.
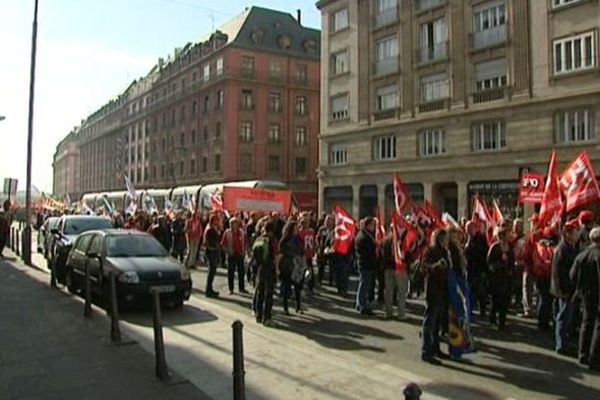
{"x": 27, "y": 231}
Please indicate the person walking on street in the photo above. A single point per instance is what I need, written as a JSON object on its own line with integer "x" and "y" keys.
{"x": 435, "y": 264}
{"x": 211, "y": 240}
{"x": 291, "y": 250}
{"x": 322, "y": 257}
{"x": 264, "y": 251}
{"x": 561, "y": 286}
{"x": 193, "y": 231}
{"x": 585, "y": 275}
{"x": 501, "y": 263}
{"x": 178, "y": 229}
{"x": 534, "y": 236}
{"x": 234, "y": 243}
{"x": 366, "y": 258}
{"x": 396, "y": 282}
{"x": 542, "y": 271}
{"x": 307, "y": 234}
{"x": 476, "y": 251}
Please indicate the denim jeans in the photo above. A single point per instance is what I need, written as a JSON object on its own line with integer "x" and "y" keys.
{"x": 340, "y": 268}
{"x": 544, "y": 306}
{"x": 263, "y": 299}
{"x": 364, "y": 287}
{"x": 563, "y": 320}
{"x": 431, "y": 329}
{"x": 213, "y": 260}
{"x": 235, "y": 263}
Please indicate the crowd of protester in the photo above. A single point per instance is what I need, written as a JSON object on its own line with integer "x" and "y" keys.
{"x": 548, "y": 274}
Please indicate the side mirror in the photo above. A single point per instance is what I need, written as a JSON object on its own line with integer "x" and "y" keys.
{"x": 95, "y": 255}
{"x": 54, "y": 231}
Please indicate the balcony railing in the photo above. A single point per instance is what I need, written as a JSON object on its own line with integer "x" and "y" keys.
{"x": 489, "y": 37}
{"x": 433, "y": 105}
{"x": 424, "y": 5}
{"x": 386, "y": 17}
{"x": 486, "y": 95}
{"x": 387, "y": 66}
{"x": 437, "y": 52}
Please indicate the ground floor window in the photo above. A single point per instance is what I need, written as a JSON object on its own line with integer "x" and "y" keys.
{"x": 335, "y": 195}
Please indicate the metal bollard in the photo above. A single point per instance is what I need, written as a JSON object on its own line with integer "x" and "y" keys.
{"x": 52, "y": 273}
{"x": 87, "y": 308}
{"x": 161, "y": 370}
{"x": 12, "y": 238}
{"x": 17, "y": 244}
{"x": 115, "y": 330}
{"x": 239, "y": 389}
{"x": 412, "y": 391}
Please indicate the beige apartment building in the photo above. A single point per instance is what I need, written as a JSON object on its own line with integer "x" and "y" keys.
{"x": 66, "y": 167}
{"x": 457, "y": 96}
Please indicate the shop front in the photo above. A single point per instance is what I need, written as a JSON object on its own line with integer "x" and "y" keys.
{"x": 505, "y": 192}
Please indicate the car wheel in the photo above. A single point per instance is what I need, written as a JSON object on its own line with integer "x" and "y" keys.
{"x": 178, "y": 303}
{"x": 72, "y": 286}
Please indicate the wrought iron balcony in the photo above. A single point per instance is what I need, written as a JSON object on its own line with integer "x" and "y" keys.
{"x": 386, "y": 17}
{"x": 437, "y": 52}
{"x": 387, "y": 66}
{"x": 483, "y": 96}
{"x": 489, "y": 37}
{"x": 424, "y": 5}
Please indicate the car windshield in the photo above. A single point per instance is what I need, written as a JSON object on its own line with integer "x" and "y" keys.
{"x": 52, "y": 223}
{"x": 80, "y": 225}
{"x": 134, "y": 246}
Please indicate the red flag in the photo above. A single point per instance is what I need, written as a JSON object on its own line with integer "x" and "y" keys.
{"x": 216, "y": 201}
{"x": 434, "y": 215}
{"x": 401, "y": 196}
{"x": 480, "y": 211}
{"x": 408, "y": 234}
{"x": 531, "y": 188}
{"x": 379, "y": 228}
{"x": 345, "y": 230}
{"x": 496, "y": 214}
{"x": 552, "y": 204}
{"x": 578, "y": 183}
{"x": 398, "y": 231}
{"x": 423, "y": 220}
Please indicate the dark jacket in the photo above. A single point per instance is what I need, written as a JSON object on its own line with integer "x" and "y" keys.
{"x": 387, "y": 253}
{"x": 501, "y": 269}
{"x": 436, "y": 275}
{"x": 290, "y": 248}
{"x": 564, "y": 255}
{"x": 366, "y": 251}
{"x": 476, "y": 252}
{"x": 585, "y": 275}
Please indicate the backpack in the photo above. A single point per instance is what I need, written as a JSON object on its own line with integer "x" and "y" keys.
{"x": 543, "y": 253}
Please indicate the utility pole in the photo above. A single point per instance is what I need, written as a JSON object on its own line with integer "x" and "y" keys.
{"x": 27, "y": 230}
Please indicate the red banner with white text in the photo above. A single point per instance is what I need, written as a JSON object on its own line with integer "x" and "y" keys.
{"x": 531, "y": 188}
{"x": 248, "y": 199}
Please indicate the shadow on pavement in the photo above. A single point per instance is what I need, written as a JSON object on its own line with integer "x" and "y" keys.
{"x": 456, "y": 391}
{"x": 171, "y": 317}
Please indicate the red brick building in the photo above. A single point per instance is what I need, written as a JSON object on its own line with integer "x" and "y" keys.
{"x": 241, "y": 104}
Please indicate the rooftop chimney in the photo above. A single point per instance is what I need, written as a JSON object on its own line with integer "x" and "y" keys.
{"x": 299, "y": 16}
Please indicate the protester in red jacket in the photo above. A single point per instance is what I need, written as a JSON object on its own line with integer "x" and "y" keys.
{"x": 193, "y": 233}
{"x": 234, "y": 243}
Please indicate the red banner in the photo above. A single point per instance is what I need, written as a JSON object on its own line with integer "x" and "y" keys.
{"x": 248, "y": 199}
{"x": 531, "y": 188}
{"x": 401, "y": 196}
{"x": 552, "y": 204}
{"x": 578, "y": 183}
{"x": 345, "y": 230}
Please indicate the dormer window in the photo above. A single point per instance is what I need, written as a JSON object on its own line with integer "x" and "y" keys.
{"x": 258, "y": 36}
{"x": 285, "y": 42}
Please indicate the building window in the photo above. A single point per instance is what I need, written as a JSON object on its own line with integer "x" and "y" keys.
{"x": 432, "y": 142}
{"x": 274, "y": 130}
{"x": 338, "y": 154}
{"x": 246, "y": 131}
{"x": 489, "y": 136}
{"x": 220, "y": 99}
{"x": 219, "y": 66}
{"x": 194, "y": 76}
{"x": 173, "y": 117}
{"x": 181, "y": 168}
{"x": 384, "y": 148}
{"x": 206, "y": 103}
{"x": 575, "y": 126}
{"x": 560, "y": 3}
{"x": 248, "y": 66}
{"x": 217, "y": 162}
{"x": 300, "y": 166}
{"x": 247, "y": 99}
{"x": 206, "y": 74}
{"x": 153, "y": 172}
{"x": 246, "y": 163}
{"x": 574, "y": 53}
{"x": 302, "y": 74}
{"x": 194, "y": 107}
{"x": 386, "y": 12}
{"x": 162, "y": 170}
{"x": 433, "y": 41}
{"x": 434, "y": 87}
{"x": 218, "y": 129}
{"x": 205, "y": 133}
{"x": 193, "y": 136}
{"x": 192, "y": 166}
{"x": 339, "y": 62}
{"x": 301, "y": 105}
{"x": 339, "y": 108}
{"x": 182, "y": 140}
{"x": 490, "y": 80}
{"x": 387, "y": 98}
{"x": 275, "y": 70}
{"x": 183, "y": 83}
{"x": 301, "y": 137}
{"x": 340, "y": 20}
{"x": 275, "y": 102}
{"x": 489, "y": 24}
{"x": 387, "y": 55}
{"x": 182, "y": 113}
{"x": 204, "y": 164}
{"x": 273, "y": 164}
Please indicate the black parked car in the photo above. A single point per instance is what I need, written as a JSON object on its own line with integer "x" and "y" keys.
{"x": 65, "y": 233}
{"x": 138, "y": 261}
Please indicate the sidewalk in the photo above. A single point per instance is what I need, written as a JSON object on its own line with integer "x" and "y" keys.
{"x": 50, "y": 351}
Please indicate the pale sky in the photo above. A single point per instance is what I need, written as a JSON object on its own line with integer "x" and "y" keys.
{"x": 88, "y": 52}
